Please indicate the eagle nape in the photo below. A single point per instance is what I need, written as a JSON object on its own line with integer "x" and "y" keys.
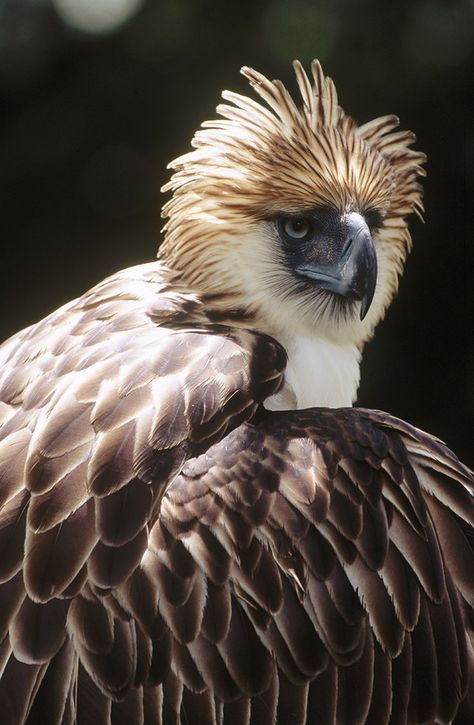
{"x": 196, "y": 526}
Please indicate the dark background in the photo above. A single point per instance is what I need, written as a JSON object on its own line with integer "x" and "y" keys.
{"x": 92, "y": 112}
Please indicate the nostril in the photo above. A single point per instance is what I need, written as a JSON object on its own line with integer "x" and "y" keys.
{"x": 347, "y": 247}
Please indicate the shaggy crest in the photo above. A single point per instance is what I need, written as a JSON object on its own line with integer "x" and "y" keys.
{"x": 256, "y": 162}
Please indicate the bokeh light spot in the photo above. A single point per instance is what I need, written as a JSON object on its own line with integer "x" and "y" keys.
{"x": 96, "y": 16}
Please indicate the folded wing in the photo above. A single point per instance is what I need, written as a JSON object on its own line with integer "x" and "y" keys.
{"x": 101, "y": 404}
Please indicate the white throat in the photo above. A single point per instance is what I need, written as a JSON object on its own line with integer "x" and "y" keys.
{"x": 320, "y": 373}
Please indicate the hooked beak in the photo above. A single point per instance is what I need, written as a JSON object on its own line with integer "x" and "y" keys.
{"x": 349, "y": 268}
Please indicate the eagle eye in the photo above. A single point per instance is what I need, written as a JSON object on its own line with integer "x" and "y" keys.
{"x": 296, "y": 227}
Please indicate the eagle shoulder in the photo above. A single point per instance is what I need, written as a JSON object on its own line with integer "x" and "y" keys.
{"x": 102, "y": 402}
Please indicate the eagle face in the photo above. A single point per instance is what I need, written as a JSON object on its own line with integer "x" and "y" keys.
{"x": 292, "y": 213}
{"x": 334, "y": 252}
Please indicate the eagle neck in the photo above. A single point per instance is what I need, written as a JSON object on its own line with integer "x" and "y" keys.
{"x": 320, "y": 373}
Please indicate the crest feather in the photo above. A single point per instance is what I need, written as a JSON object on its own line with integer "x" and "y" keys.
{"x": 285, "y": 156}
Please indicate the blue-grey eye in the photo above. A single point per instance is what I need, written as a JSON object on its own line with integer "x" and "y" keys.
{"x": 296, "y": 227}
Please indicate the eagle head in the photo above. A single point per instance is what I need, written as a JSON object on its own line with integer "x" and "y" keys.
{"x": 293, "y": 214}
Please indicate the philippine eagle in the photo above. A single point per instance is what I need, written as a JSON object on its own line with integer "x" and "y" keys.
{"x": 195, "y": 525}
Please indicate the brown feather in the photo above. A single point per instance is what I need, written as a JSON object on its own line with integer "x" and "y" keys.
{"x": 110, "y": 566}
{"x": 18, "y": 685}
{"x": 12, "y": 534}
{"x": 52, "y": 700}
{"x": 38, "y": 630}
{"x": 51, "y": 508}
{"x": 13, "y": 449}
{"x": 93, "y": 705}
{"x": 122, "y": 515}
{"x": 90, "y": 623}
{"x": 113, "y": 672}
{"x": 130, "y": 709}
{"x": 292, "y": 702}
{"x": 12, "y": 594}
{"x": 54, "y": 558}
{"x": 382, "y": 694}
{"x": 355, "y": 685}
{"x": 424, "y": 695}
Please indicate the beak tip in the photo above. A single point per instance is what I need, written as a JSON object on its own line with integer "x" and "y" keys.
{"x": 365, "y": 304}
